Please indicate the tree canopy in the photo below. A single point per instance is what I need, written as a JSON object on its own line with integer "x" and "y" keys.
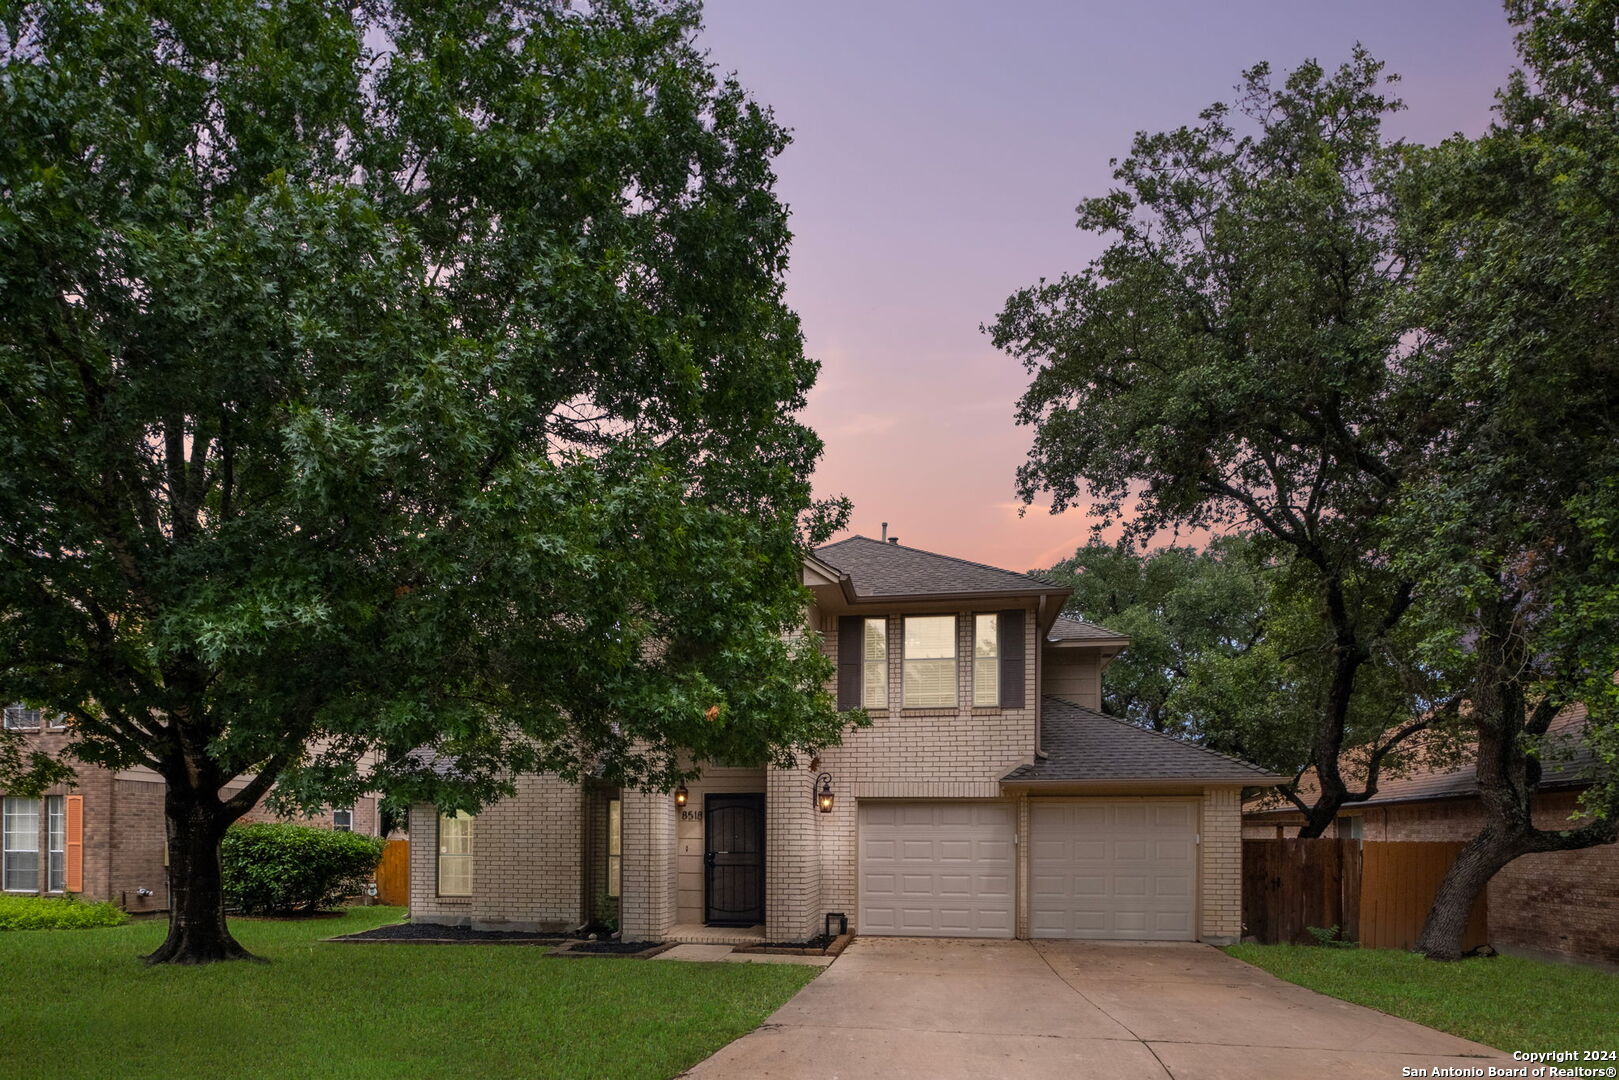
{"x": 1181, "y": 607}
{"x": 404, "y": 383}
{"x": 1224, "y": 364}
{"x": 1511, "y": 530}
{"x": 1394, "y": 367}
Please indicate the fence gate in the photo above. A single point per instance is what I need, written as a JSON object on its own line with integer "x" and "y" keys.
{"x": 1291, "y": 885}
{"x": 393, "y": 874}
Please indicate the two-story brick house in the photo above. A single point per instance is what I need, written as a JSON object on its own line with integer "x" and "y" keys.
{"x": 989, "y": 797}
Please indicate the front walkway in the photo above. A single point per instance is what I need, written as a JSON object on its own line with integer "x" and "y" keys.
{"x": 943, "y": 1009}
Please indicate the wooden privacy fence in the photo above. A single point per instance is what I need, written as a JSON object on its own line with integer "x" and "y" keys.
{"x": 393, "y": 874}
{"x": 1376, "y": 892}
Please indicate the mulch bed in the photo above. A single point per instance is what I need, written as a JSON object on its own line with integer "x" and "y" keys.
{"x": 614, "y": 948}
{"x": 822, "y": 945}
{"x": 430, "y": 933}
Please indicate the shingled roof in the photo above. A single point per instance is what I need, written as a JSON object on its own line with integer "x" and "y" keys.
{"x": 878, "y": 569}
{"x": 1086, "y": 746}
{"x": 1566, "y": 762}
{"x": 1068, "y": 628}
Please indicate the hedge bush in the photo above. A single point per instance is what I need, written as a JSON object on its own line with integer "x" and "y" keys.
{"x": 278, "y": 869}
{"x": 57, "y": 913}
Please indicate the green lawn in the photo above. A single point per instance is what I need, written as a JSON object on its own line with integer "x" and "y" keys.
{"x": 1504, "y": 1001}
{"x": 83, "y": 1005}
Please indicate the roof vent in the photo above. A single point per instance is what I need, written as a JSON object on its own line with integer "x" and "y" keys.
{"x": 893, "y": 539}
{"x": 885, "y": 530}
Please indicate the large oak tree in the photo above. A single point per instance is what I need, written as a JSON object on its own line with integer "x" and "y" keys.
{"x": 1512, "y": 529}
{"x": 387, "y": 378}
{"x": 1224, "y": 364}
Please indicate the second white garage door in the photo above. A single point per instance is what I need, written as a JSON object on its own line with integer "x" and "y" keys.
{"x": 936, "y": 869}
{"x": 1114, "y": 868}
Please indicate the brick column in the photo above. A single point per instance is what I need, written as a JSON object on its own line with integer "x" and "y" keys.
{"x": 1021, "y": 873}
{"x": 792, "y": 856}
{"x": 647, "y": 903}
{"x": 1221, "y": 858}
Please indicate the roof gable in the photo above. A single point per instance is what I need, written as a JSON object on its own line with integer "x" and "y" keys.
{"x": 1066, "y": 628}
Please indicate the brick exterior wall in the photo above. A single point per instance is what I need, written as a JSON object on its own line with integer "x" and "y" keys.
{"x": 527, "y": 862}
{"x": 1561, "y": 904}
{"x": 1220, "y": 859}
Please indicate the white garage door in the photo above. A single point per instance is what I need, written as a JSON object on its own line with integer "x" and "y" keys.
{"x": 1114, "y": 868}
{"x": 936, "y": 869}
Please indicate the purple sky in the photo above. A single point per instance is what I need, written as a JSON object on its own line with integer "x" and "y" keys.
{"x": 939, "y": 150}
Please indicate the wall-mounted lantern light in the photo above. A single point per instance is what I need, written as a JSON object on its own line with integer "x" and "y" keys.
{"x": 681, "y": 795}
{"x": 823, "y": 793}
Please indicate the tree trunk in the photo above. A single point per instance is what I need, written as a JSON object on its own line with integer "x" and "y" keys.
{"x": 1321, "y": 814}
{"x": 196, "y": 823}
{"x": 1475, "y": 865}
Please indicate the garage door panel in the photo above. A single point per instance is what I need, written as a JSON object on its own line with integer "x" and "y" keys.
{"x": 1113, "y": 869}
{"x": 1170, "y": 815}
{"x": 936, "y": 869}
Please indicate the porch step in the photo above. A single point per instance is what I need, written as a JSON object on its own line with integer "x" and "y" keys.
{"x": 693, "y": 934}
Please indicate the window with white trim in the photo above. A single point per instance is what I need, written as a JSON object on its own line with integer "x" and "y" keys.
{"x": 343, "y": 820}
{"x": 615, "y": 847}
{"x": 455, "y": 854}
{"x": 930, "y": 661}
{"x": 19, "y": 859}
{"x": 21, "y": 718}
{"x": 55, "y": 843}
{"x": 987, "y": 659}
{"x": 874, "y": 664}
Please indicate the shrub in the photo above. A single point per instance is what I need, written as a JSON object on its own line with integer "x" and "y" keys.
{"x": 275, "y": 869}
{"x": 57, "y": 913}
{"x": 1330, "y": 937}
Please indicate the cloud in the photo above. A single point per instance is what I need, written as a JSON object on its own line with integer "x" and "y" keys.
{"x": 860, "y": 424}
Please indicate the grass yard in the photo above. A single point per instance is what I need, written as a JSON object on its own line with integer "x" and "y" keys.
{"x": 85, "y": 1006}
{"x": 1506, "y": 1001}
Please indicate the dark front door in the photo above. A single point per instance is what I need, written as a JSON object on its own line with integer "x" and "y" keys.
{"x": 734, "y": 860}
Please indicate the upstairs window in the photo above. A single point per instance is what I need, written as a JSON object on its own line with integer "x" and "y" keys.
{"x": 874, "y": 664}
{"x": 455, "y": 854}
{"x": 987, "y": 659}
{"x": 343, "y": 820}
{"x": 21, "y": 718}
{"x": 930, "y": 661}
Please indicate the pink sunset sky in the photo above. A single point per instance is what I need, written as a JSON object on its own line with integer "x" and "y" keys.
{"x": 939, "y": 150}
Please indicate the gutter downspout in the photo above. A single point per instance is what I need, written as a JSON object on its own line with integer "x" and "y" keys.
{"x": 1039, "y": 685}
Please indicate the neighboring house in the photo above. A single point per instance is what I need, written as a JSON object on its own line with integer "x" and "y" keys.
{"x": 1561, "y": 903}
{"x": 103, "y": 836}
{"x": 989, "y": 797}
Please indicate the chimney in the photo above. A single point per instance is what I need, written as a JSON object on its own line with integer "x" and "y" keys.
{"x": 885, "y": 531}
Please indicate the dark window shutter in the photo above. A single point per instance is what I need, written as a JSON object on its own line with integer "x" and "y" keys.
{"x": 1012, "y": 677}
{"x": 851, "y": 652}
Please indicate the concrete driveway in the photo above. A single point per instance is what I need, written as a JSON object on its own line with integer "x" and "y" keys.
{"x": 941, "y": 1009}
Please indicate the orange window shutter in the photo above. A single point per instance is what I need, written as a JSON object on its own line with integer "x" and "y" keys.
{"x": 74, "y": 847}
